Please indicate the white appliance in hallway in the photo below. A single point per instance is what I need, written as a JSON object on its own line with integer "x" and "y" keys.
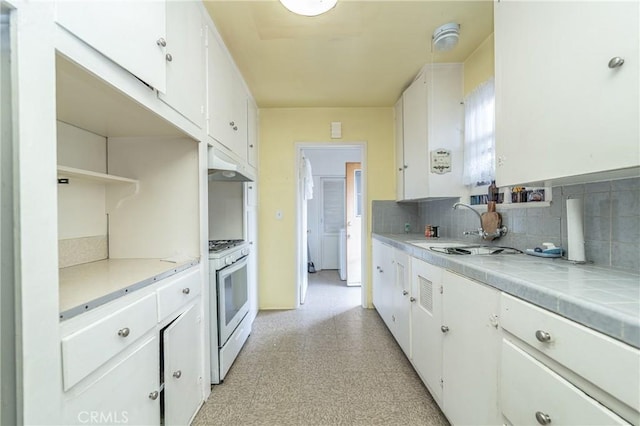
{"x": 229, "y": 303}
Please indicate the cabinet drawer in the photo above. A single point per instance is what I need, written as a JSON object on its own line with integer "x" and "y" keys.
{"x": 530, "y": 390}
{"x": 182, "y": 289}
{"x": 87, "y": 349}
{"x": 598, "y": 358}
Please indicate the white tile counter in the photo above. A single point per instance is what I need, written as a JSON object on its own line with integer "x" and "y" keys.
{"x": 86, "y": 286}
{"x": 603, "y": 299}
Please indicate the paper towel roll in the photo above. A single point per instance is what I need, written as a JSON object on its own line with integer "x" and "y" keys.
{"x": 575, "y": 230}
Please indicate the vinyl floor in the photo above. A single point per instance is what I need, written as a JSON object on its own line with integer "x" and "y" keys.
{"x": 328, "y": 363}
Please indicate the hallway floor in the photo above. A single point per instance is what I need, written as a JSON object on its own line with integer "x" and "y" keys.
{"x": 328, "y": 363}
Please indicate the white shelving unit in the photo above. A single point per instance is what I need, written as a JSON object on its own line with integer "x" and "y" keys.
{"x": 71, "y": 172}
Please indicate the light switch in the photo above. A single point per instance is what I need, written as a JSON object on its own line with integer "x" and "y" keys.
{"x": 336, "y": 129}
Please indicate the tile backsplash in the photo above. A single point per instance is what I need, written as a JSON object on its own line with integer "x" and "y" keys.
{"x": 611, "y": 221}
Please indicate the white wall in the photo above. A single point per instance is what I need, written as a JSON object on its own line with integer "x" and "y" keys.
{"x": 325, "y": 162}
{"x": 226, "y": 210}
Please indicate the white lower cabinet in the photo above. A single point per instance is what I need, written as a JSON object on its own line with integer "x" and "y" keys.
{"x": 382, "y": 280}
{"x": 426, "y": 320}
{"x": 532, "y": 393}
{"x": 402, "y": 300}
{"x": 181, "y": 367}
{"x": 126, "y": 393}
{"x": 470, "y": 351}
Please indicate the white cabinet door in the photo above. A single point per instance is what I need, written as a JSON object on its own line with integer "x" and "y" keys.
{"x": 399, "y": 132}
{"x": 252, "y": 134}
{"x": 426, "y": 320}
{"x": 128, "y": 393}
{"x": 382, "y": 278}
{"x": 186, "y": 69}
{"x": 471, "y": 349}
{"x": 182, "y": 364}
{"x": 414, "y": 119}
{"x": 226, "y": 100}
{"x": 219, "y": 91}
{"x": 125, "y": 32}
{"x": 560, "y": 110}
{"x": 402, "y": 300}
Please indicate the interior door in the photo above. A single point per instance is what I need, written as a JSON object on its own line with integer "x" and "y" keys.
{"x": 332, "y": 220}
{"x": 354, "y": 222}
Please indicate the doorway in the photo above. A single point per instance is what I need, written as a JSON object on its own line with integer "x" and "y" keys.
{"x": 322, "y": 225}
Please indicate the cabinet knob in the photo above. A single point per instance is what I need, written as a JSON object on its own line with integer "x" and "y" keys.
{"x": 406, "y": 166}
{"x": 250, "y": 145}
{"x": 405, "y": 292}
{"x": 232, "y": 123}
{"x": 124, "y": 332}
{"x": 444, "y": 329}
{"x": 153, "y": 395}
{"x": 412, "y": 299}
{"x": 235, "y": 127}
{"x": 169, "y": 57}
{"x": 380, "y": 269}
{"x": 543, "y": 418}
{"x": 543, "y": 336}
{"x": 161, "y": 42}
{"x": 616, "y": 62}
{"x": 177, "y": 374}
{"x": 400, "y": 169}
{"x": 186, "y": 290}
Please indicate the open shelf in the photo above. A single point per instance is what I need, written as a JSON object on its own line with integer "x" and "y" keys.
{"x": 71, "y": 172}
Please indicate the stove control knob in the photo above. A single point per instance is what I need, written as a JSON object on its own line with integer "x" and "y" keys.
{"x": 228, "y": 260}
{"x": 245, "y": 252}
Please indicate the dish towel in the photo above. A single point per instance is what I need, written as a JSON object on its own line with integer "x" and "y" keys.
{"x": 307, "y": 176}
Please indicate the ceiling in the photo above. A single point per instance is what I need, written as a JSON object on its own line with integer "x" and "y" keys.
{"x": 359, "y": 54}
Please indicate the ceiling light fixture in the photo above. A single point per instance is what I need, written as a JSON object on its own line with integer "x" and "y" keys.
{"x": 309, "y": 7}
{"x": 446, "y": 36}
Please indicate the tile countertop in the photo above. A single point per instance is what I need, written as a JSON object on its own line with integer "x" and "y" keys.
{"x": 89, "y": 285}
{"x": 603, "y": 299}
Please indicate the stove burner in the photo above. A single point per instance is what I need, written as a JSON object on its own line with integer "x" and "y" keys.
{"x": 220, "y": 245}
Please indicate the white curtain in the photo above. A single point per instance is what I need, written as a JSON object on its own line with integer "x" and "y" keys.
{"x": 479, "y": 135}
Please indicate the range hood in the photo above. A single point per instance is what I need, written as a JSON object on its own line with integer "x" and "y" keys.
{"x": 221, "y": 168}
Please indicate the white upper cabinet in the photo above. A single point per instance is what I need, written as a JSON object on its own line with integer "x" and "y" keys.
{"x": 399, "y": 150}
{"x": 130, "y": 33}
{"x": 185, "y": 60}
{"x": 561, "y": 110}
{"x": 432, "y": 122}
{"x": 226, "y": 100}
{"x": 252, "y": 134}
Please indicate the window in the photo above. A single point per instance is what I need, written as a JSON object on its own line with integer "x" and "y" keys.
{"x": 358, "y": 192}
{"x": 479, "y": 135}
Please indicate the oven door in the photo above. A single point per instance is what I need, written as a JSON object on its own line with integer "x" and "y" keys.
{"x": 233, "y": 298}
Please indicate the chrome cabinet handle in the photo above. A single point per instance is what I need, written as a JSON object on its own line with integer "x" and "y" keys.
{"x": 124, "y": 332}
{"x": 161, "y": 42}
{"x": 169, "y": 57}
{"x": 412, "y": 299}
{"x": 177, "y": 374}
{"x": 186, "y": 290}
{"x": 444, "y": 329}
{"x": 543, "y": 336}
{"x": 543, "y": 418}
{"x": 405, "y": 292}
{"x": 153, "y": 395}
{"x": 616, "y": 62}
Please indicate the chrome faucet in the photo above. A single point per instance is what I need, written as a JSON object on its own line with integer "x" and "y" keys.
{"x": 480, "y": 231}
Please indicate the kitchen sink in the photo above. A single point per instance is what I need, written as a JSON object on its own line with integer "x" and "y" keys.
{"x": 467, "y": 249}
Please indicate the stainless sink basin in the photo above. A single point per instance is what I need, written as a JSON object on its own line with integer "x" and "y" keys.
{"x": 467, "y": 249}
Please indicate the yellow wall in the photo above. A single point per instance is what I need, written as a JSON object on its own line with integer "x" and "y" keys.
{"x": 479, "y": 66}
{"x": 280, "y": 129}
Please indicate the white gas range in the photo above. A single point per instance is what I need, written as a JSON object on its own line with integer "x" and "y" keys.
{"x": 229, "y": 303}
